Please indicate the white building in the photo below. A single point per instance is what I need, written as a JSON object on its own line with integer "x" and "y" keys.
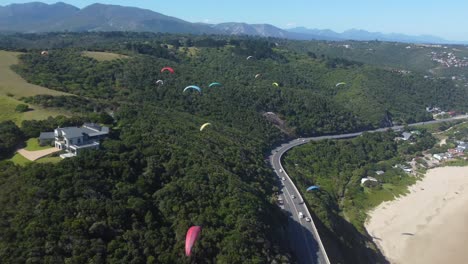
{"x": 75, "y": 139}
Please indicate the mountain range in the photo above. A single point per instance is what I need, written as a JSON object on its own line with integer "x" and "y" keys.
{"x": 37, "y": 17}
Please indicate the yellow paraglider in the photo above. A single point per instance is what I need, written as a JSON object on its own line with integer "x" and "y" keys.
{"x": 204, "y": 125}
{"x": 275, "y": 84}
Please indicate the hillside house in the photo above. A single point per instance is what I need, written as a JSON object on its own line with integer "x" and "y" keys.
{"x": 369, "y": 182}
{"x": 75, "y": 139}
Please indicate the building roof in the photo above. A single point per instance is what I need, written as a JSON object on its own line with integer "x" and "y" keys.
{"x": 71, "y": 132}
{"x": 406, "y": 135}
{"x": 89, "y": 129}
{"x": 47, "y": 135}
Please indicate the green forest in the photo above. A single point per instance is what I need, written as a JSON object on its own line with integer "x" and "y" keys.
{"x": 157, "y": 174}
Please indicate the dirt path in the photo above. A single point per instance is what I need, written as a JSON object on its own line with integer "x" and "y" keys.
{"x": 35, "y": 155}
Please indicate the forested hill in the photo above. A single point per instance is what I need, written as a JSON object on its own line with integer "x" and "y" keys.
{"x": 158, "y": 174}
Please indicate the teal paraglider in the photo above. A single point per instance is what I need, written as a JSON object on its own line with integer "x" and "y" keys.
{"x": 215, "y": 84}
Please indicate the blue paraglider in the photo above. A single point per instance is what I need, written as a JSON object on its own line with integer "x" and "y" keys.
{"x": 194, "y": 87}
{"x": 313, "y": 188}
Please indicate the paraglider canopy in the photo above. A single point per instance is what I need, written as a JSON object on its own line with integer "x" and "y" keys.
{"x": 340, "y": 83}
{"x": 167, "y": 69}
{"x": 257, "y": 75}
{"x": 215, "y": 84}
{"x": 190, "y": 238}
{"x": 204, "y": 125}
{"x": 313, "y": 188}
{"x": 193, "y": 87}
{"x": 275, "y": 84}
{"x": 160, "y": 82}
{"x": 250, "y": 57}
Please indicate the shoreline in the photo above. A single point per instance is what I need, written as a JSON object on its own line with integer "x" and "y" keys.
{"x": 428, "y": 225}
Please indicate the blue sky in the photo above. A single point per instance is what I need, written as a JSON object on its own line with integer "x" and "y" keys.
{"x": 447, "y": 18}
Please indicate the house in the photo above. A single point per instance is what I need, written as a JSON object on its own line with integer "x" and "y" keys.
{"x": 369, "y": 182}
{"x": 440, "y": 156}
{"x": 75, "y": 139}
{"x": 408, "y": 170}
{"x": 460, "y": 149}
{"x": 46, "y": 138}
{"x": 406, "y": 136}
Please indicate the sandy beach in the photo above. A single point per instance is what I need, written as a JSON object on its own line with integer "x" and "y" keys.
{"x": 430, "y": 224}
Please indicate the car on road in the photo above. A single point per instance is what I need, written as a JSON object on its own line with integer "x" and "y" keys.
{"x": 307, "y": 219}
{"x": 293, "y": 196}
{"x": 283, "y": 178}
{"x": 281, "y": 170}
{"x": 301, "y": 215}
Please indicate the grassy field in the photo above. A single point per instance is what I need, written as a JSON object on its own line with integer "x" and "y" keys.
{"x": 18, "y": 159}
{"x": 103, "y": 56}
{"x": 7, "y": 111}
{"x": 33, "y": 144}
{"x": 12, "y": 83}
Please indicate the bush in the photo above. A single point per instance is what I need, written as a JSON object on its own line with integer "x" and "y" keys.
{"x": 22, "y": 108}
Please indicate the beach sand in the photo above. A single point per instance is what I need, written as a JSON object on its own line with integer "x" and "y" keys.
{"x": 430, "y": 224}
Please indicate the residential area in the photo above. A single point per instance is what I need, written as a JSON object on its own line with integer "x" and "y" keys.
{"x": 449, "y": 59}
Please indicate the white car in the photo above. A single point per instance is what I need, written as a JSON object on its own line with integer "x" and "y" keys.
{"x": 293, "y": 196}
{"x": 301, "y": 215}
{"x": 307, "y": 219}
{"x": 281, "y": 170}
{"x": 283, "y": 178}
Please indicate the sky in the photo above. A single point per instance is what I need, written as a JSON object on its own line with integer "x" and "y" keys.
{"x": 447, "y": 18}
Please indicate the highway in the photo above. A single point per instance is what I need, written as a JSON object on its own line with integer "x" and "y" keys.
{"x": 302, "y": 234}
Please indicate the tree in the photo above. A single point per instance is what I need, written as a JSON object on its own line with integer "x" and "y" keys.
{"x": 22, "y": 108}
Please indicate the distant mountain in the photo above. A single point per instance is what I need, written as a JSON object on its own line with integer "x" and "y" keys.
{"x": 363, "y": 35}
{"x": 39, "y": 17}
{"x": 34, "y": 17}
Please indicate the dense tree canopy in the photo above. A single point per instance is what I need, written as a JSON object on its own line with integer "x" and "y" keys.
{"x": 157, "y": 174}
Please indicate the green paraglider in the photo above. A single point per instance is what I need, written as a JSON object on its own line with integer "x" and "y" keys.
{"x": 215, "y": 84}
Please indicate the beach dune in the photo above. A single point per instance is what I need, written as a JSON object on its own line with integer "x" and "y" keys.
{"x": 430, "y": 224}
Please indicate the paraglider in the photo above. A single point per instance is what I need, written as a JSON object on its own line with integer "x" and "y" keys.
{"x": 190, "y": 238}
{"x": 215, "y": 84}
{"x": 167, "y": 69}
{"x": 313, "y": 188}
{"x": 257, "y": 75}
{"x": 160, "y": 82}
{"x": 275, "y": 84}
{"x": 204, "y": 125}
{"x": 340, "y": 83}
{"x": 250, "y": 57}
{"x": 193, "y": 87}
{"x": 44, "y": 53}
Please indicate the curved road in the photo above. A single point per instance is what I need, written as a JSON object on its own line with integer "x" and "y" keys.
{"x": 303, "y": 236}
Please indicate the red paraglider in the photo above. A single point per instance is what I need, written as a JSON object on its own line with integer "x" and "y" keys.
{"x": 167, "y": 69}
{"x": 192, "y": 235}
